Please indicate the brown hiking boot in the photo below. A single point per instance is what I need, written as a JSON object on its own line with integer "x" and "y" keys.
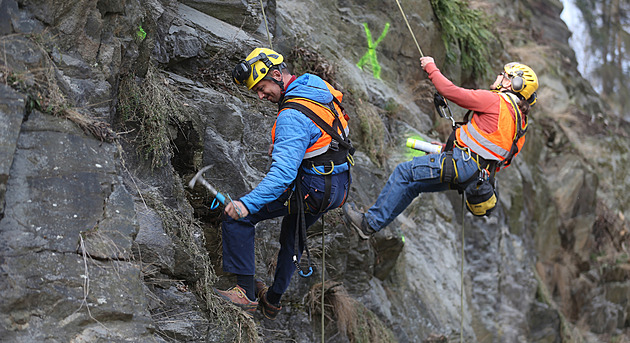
{"x": 268, "y": 310}
{"x": 357, "y": 221}
{"x": 260, "y": 286}
{"x": 236, "y": 295}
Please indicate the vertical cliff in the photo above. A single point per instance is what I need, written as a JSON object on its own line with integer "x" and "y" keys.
{"x": 110, "y": 107}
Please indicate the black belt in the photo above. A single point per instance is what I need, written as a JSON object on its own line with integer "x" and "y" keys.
{"x": 335, "y": 156}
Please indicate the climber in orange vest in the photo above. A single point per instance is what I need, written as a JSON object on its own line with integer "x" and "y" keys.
{"x": 488, "y": 142}
{"x": 309, "y": 175}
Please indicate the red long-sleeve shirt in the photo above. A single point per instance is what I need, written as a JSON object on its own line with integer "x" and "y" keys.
{"x": 484, "y": 103}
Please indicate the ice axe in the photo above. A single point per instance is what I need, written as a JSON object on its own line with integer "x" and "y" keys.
{"x": 218, "y": 197}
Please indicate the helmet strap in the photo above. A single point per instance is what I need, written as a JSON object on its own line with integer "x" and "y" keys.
{"x": 279, "y": 83}
{"x": 500, "y": 87}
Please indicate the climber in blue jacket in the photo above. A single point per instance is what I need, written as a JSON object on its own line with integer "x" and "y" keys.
{"x": 309, "y": 176}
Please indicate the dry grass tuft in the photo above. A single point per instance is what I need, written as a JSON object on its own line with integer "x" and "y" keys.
{"x": 190, "y": 235}
{"x": 354, "y": 320}
{"x": 304, "y": 60}
{"x": 372, "y": 136}
{"x": 148, "y": 106}
{"x": 434, "y": 338}
{"x": 41, "y": 88}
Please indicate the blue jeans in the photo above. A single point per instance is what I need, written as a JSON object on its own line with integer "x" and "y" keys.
{"x": 238, "y": 235}
{"x": 422, "y": 174}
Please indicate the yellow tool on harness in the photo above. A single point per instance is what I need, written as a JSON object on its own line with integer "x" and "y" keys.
{"x": 481, "y": 197}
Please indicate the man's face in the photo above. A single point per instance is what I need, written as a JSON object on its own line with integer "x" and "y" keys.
{"x": 267, "y": 89}
{"x": 502, "y": 81}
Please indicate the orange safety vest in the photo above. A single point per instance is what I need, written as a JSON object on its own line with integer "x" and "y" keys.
{"x": 495, "y": 145}
{"x": 324, "y": 112}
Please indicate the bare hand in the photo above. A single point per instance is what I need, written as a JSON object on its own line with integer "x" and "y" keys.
{"x": 426, "y": 60}
{"x": 270, "y": 149}
{"x": 231, "y": 210}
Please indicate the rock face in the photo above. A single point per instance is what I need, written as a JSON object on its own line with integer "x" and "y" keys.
{"x": 100, "y": 242}
{"x": 13, "y": 111}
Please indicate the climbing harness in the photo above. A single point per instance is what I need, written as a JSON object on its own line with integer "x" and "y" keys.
{"x": 337, "y": 152}
{"x": 300, "y": 231}
{"x": 482, "y": 195}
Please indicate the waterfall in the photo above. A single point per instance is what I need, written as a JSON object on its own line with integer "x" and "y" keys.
{"x": 580, "y": 41}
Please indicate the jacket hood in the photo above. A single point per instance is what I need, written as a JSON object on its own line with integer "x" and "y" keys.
{"x": 311, "y": 87}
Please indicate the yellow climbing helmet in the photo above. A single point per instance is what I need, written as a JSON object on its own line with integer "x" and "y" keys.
{"x": 524, "y": 80}
{"x": 256, "y": 66}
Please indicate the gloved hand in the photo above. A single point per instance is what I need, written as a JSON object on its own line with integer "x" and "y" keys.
{"x": 426, "y": 60}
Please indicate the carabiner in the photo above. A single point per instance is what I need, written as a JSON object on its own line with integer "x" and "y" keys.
{"x": 350, "y": 159}
{"x": 332, "y": 164}
{"x": 467, "y": 150}
{"x": 300, "y": 271}
{"x": 310, "y": 272}
{"x": 484, "y": 175}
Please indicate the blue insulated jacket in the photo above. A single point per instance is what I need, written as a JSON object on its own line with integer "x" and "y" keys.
{"x": 295, "y": 132}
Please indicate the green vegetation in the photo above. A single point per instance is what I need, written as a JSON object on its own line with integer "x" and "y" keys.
{"x": 391, "y": 108}
{"x": 140, "y": 33}
{"x": 147, "y": 106}
{"x": 467, "y": 29}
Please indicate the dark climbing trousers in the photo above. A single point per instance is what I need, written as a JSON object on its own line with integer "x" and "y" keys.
{"x": 238, "y": 235}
